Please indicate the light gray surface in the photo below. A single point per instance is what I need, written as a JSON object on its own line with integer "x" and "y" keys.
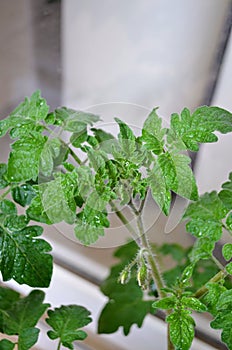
{"x": 150, "y": 53}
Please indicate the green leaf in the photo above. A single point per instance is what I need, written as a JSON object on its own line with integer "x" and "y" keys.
{"x": 177, "y": 252}
{"x": 125, "y": 306}
{"x": 23, "y": 194}
{"x": 28, "y": 338}
{"x": 74, "y": 121}
{"x": 181, "y": 327}
{"x": 127, "y": 139}
{"x": 15, "y": 222}
{"x": 6, "y": 344}
{"x": 171, "y": 276}
{"x": 227, "y": 251}
{"x": 229, "y": 268}
{"x": 159, "y": 189}
{"x": 205, "y": 228}
{"x": 90, "y": 225}
{"x": 24, "y": 119}
{"x": 193, "y": 304}
{"x": 226, "y": 335}
{"x": 57, "y": 198}
{"x": 24, "y": 257}
{"x": 226, "y": 193}
{"x": 87, "y": 233}
{"x": 203, "y": 271}
{"x": 165, "y": 303}
{"x": 85, "y": 181}
{"x": 96, "y": 201}
{"x": 24, "y": 313}
{"x": 151, "y": 142}
{"x": 36, "y": 210}
{"x": 200, "y": 126}
{"x": 51, "y": 150}
{"x": 123, "y": 315}
{"x": 22, "y": 316}
{"x": 124, "y": 194}
{"x": 97, "y": 159}
{"x": 215, "y": 290}
{"x": 229, "y": 221}
{"x": 105, "y": 139}
{"x": 7, "y": 207}
{"x": 178, "y": 175}
{"x": 187, "y": 274}
{"x": 3, "y": 176}
{"x": 7, "y": 297}
{"x": 202, "y": 249}
{"x": 223, "y": 319}
{"x": 24, "y": 160}
{"x": 66, "y": 321}
{"x": 126, "y": 252}
{"x": 152, "y": 133}
{"x": 206, "y": 218}
{"x": 78, "y": 138}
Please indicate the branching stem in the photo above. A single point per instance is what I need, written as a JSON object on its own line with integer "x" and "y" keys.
{"x": 124, "y": 220}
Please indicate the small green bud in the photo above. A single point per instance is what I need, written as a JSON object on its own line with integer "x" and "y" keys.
{"x": 125, "y": 276}
{"x": 142, "y": 276}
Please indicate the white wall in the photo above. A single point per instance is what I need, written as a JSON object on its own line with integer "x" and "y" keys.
{"x": 215, "y": 160}
{"x": 146, "y": 52}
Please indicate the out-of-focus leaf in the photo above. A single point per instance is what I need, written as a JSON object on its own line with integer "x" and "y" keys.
{"x": 66, "y": 321}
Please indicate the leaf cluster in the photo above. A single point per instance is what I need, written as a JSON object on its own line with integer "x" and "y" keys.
{"x": 63, "y": 168}
{"x": 20, "y": 315}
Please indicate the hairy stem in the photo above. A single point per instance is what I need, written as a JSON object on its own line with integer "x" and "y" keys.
{"x": 124, "y": 221}
{"x": 200, "y": 292}
{"x": 156, "y": 274}
{"x": 143, "y": 242}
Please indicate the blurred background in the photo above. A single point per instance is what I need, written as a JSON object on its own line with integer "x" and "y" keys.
{"x": 119, "y": 58}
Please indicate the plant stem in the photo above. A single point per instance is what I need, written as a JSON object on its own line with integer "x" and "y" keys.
{"x": 133, "y": 208}
{"x": 72, "y": 153}
{"x": 156, "y": 274}
{"x": 170, "y": 345}
{"x": 75, "y": 157}
{"x": 217, "y": 262}
{"x": 200, "y": 292}
{"x": 143, "y": 243}
{"x": 124, "y": 221}
{"x": 59, "y": 345}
